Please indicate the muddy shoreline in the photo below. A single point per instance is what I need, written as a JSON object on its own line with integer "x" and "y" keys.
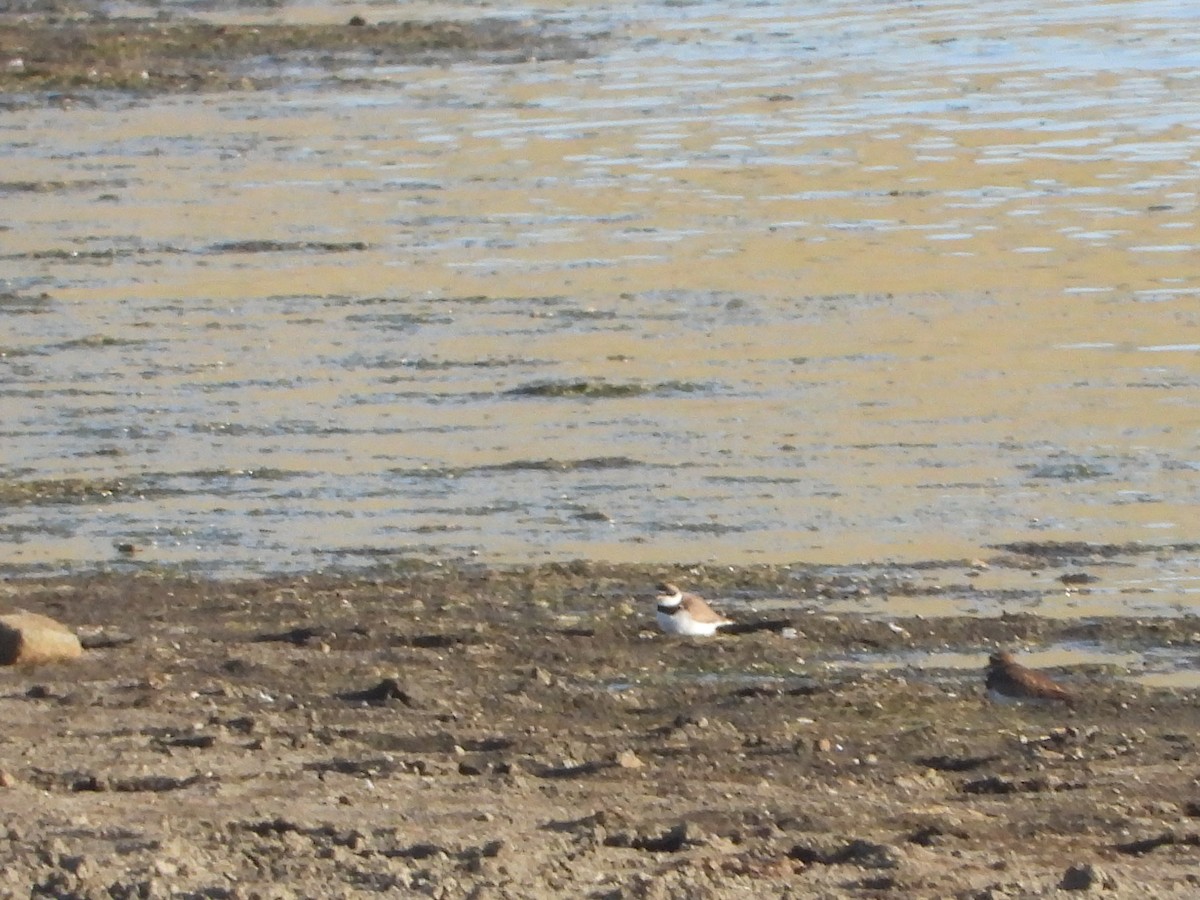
{"x": 456, "y": 732}
{"x": 80, "y": 53}
{"x": 468, "y": 730}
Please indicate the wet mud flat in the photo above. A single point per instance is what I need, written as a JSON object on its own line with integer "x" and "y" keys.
{"x": 464, "y": 731}
{"x": 474, "y": 732}
{"x": 79, "y": 52}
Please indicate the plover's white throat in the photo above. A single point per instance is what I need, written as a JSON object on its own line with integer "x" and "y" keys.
{"x": 1008, "y": 681}
{"x": 680, "y": 613}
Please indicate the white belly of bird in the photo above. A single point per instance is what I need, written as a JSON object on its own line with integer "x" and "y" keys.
{"x": 682, "y": 623}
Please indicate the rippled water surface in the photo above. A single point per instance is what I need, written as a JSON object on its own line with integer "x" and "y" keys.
{"x": 753, "y": 282}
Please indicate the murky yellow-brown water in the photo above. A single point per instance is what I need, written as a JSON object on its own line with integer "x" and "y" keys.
{"x": 752, "y": 283}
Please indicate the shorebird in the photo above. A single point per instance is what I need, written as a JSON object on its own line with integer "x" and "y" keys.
{"x": 682, "y": 613}
{"x": 1008, "y": 681}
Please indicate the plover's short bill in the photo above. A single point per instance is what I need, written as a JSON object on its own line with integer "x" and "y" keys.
{"x": 1008, "y": 681}
{"x": 680, "y": 613}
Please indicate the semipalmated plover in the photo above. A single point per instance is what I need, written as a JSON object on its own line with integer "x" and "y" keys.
{"x": 1008, "y": 681}
{"x": 680, "y": 613}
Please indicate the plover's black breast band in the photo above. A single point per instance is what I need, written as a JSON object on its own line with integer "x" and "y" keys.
{"x": 670, "y": 610}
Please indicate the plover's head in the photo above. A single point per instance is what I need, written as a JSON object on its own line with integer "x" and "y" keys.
{"x": 1001, "y": 659}
{"x": 668, "y": 594}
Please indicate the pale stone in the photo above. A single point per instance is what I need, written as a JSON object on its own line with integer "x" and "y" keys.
{"x": 627, "y": 759}
{"x": 30, "y": 639}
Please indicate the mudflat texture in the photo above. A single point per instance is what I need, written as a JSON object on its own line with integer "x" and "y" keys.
{"x": 285, "y": 290}
{"x": 154, "y": 56}
{"x": 525, "y": 734}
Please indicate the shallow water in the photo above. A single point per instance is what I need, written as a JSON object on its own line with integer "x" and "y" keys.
{"x": 1165, "y": 667}
{"x": 749, "y": 284}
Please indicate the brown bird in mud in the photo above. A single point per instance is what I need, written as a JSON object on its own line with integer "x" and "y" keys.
{"x": 1008, "y": 681}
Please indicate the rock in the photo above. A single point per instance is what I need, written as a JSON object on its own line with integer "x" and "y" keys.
{"x": 674, "y": 839}
{"x": 385, "y": 692}
{"x": 30, "y": 639}
{"x": 96, "y": 639}
{"x": 1085, "y": 877}
{"x": 627, "y": 759}
{"x": 1071, "y": 578}
{"x": 301, "y": 637}
{"x": 830, "y": 850}
{"x": 998, "y": 784}
{"x": 923, "y": 781}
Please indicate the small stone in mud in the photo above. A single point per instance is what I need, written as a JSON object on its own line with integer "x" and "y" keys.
{"x": 830, "y": 850}
{"x": 1085, "y": 877}
{"x": 89, "y": 784}
{"x": 300, "y": 636}
{"x": 627, "y": 759}
{"x": 104, "y": 640}
{"x": 674, "y": 839}
{"x": 196, "y": 741}
{"x": 387, "y": 690}
{"x": 30, "y": 639}
{"x": 593, "y": 515}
